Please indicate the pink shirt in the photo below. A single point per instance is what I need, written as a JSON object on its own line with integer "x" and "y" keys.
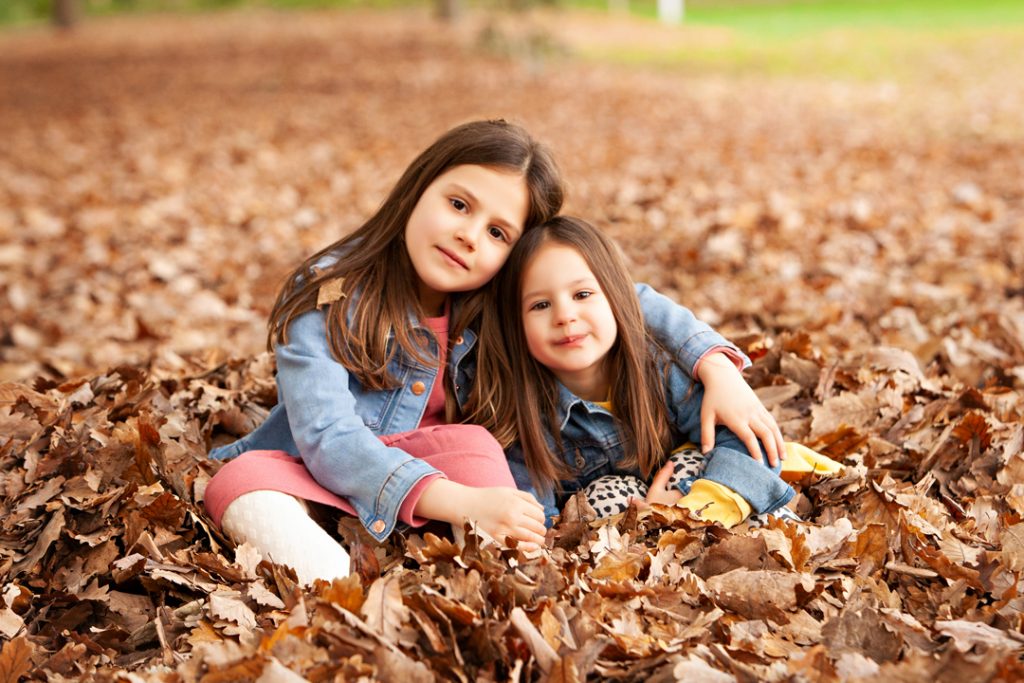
{"x": 434, "y": 413}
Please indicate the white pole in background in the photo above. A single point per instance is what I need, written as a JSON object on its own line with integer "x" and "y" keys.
{"x": 671, "y": 11}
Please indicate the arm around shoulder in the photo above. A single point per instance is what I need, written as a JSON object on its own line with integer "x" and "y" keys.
{"x": 675, "y": 326}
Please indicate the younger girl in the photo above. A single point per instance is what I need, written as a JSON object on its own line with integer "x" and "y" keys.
{"x": 361, "y": 332}
{"x": 583, "y": 389}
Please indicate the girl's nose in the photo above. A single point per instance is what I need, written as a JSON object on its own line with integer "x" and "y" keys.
{"x": 564, "y": 315}
{"x": 466, "y": 234}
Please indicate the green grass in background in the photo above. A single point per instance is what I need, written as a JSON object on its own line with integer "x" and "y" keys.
{"x": 859, "y": 39}
{"x": 765, "y": 17}
{"x": 787, "y": 18}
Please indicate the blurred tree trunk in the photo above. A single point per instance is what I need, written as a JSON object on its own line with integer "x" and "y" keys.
{"x": 449, "y": 10}
{"x": 65, "y": 13}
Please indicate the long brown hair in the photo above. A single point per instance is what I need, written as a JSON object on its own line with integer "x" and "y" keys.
{"x": 517, "y": 398}
{"x": 374, "y": 261}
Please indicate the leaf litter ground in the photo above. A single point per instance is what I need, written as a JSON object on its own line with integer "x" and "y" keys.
{"x": 862, "y": 241}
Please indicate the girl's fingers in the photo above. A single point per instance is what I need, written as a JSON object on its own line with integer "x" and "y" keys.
{"x": 707, "y": 430}
{"x": 531, "y": 507}
{"x": 764, "y": 433}
{"x": 528, "y": 497}
{"x": 773, "y": 436}
{"x": 527, "y": 536}
{"x": 659, "y": 483}
{"x": 779, "y": 441}
{"x": 534, "y": 526}
{"x": 661, "y": 478}
{"x": 640, "y": 503}
{"x": 749, "y": 440}
{"x": 535, "y": 513}
{"x": 669, "y": 497}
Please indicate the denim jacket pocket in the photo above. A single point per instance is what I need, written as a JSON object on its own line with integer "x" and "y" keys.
{"x": 373, "y": 407}
{"x": 587, "y": 460}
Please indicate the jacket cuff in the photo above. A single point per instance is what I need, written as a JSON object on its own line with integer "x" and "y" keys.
{"x": 699, "y": 345}
{"x": 380, "y": 521}
{"x": 738, "y": 359}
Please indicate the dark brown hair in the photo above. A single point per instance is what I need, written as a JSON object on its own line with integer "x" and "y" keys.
{"x": 517, "y": 398}
{"x": 374, "y": 261}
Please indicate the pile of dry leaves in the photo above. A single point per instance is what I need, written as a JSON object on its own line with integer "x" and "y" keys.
{"x": 159, "y": 180}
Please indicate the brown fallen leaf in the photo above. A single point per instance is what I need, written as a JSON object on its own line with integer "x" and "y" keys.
{"x": 384, "y": 609}
{"x": 761, "y": 594}
{"x": 228, "y": 605}
{"x": 15, "y": 659}
{"x": 864, "y": 632}
{"x": 968, "y": 635}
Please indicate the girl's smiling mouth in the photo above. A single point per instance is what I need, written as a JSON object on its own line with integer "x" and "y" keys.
{"x": 572, "y": 340}
{"x": 453, "y": 259}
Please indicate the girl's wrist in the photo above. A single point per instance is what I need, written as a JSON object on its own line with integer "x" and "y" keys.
{"x": 445, "y": 500}
{"x": 714, "y": 363}
{"x": 440, "y": 501}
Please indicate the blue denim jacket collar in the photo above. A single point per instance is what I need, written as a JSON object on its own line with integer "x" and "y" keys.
{"x": 464, "y": 343}
{"x": 568, "y": 400}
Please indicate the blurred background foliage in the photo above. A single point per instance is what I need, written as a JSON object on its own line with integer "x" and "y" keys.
{"x": 760, "y": 16}
{"x": 890, "y": 40}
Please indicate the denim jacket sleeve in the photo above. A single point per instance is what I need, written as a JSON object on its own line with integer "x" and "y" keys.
{"x": 686, "y": 338}
{"x": 341, "y": 453}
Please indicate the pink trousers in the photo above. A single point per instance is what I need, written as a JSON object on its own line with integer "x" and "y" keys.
{"x": 466, "y": 454}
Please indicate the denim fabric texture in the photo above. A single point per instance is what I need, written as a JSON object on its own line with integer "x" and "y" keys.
{"x": 592, "y": 445}
{"x": 327, "y": 418}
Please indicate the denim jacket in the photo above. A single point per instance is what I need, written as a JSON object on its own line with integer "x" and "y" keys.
{"x": 592, "y": 446}
{"x": 327, "y": 418}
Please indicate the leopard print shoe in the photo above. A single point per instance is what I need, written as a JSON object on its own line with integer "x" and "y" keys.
{"x": 609, "y": 495}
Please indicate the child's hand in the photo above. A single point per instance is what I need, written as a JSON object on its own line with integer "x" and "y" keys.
{"x": 729, "y": 401}
{"x": 500, "y": 511}
{"x": 659, "y": 491}
{"x": 507, "y": 513}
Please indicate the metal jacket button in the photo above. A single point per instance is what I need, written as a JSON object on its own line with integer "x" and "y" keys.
{"x": 459, "y": 340}
{"x": 378, "y": 526}
{"x": 418, "y": 388}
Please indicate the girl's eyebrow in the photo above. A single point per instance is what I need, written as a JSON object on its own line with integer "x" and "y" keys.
{"x": 530, "y": 295}
{"x": 508, "y": 225}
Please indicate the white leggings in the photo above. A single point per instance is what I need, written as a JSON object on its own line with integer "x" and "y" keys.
{"x": 280, "y": 527}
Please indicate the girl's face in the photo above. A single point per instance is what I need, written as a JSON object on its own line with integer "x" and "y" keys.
{"x": 568, "y": 322}
{"x": 462, "y": 228}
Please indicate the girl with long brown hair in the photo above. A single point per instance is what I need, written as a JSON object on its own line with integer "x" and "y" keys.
{"x": 360, "y": 332}
{"x": 572, "y": 380}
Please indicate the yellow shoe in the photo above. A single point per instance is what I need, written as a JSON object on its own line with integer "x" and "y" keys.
{"x": 714, "y": 502}
{"x": 802, "y": 460}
